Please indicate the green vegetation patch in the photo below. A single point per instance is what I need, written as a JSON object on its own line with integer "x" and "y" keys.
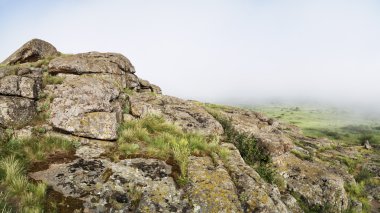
{"x": 247, "y": 145}
{"x": 17, "y": 156}
{"x": 343, "y": 126}
{"x": 152, "y": 137}
{"x": 51, "y": 79}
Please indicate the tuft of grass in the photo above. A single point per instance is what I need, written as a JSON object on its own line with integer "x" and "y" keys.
{"x": 16, "y": 155}
{"x": 51, "y": 79}
{"x": 356, "y": 191}
{"x": 302, "y": 155}
{"x": 152, "y": 136}
{"x": 29, "y": 196}
{"x": 181, "y": 153}
{"x": 4, "y": 207}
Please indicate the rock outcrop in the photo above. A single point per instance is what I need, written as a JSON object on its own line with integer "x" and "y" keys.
{"x": 86, "y": 97}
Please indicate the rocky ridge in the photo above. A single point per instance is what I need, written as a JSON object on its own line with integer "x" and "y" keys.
{"x": 87, "y": 96}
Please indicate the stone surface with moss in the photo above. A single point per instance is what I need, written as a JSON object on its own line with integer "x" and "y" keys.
{"x": 83, "y": 133}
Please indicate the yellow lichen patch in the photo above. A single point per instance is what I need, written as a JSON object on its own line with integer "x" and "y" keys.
{"x": 212, "y": 189}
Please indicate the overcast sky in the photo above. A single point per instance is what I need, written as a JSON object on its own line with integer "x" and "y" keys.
{"x": 217, "y": 50}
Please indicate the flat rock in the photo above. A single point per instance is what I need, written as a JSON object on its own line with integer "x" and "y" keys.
{"x": 31, "y": 51}
{"x": 92, "y": 62}
{"x": 84, "y": 107}
{"x": 16, "y": 111}
{"x": 132, "y": 185}
{"x": 185, "y": 114}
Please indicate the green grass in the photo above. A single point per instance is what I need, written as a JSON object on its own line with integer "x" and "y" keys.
{"x": 347, "y": 127}
{"x": 51, "y": 79}
{"x": 153, "y": 137}
{"x": 357, "y": 192}
{"x": 16, "y": 156}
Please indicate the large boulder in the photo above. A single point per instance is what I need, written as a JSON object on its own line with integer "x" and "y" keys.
{"x": 16, "y": 111}
{"x": 189, "y": 116}
{"x": 31, "y": 51}
{"x": 88, "y": 107}
{"x": 92, "y": 62}
{"x": 131, "y": 185}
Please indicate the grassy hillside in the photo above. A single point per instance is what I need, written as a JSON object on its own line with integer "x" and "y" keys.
{"x": 336, "y": 124}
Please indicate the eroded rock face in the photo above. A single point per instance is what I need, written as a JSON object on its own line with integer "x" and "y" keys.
{"x": 84, "y": 106}
{"x": 211, "y": 188}
{"x": 16, "y": 111}
{"x": 255, "y": 194}
{"x": 31, "y": 51}
{"x": 185, "y": 114}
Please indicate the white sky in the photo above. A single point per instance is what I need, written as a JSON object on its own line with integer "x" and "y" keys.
{"x": 240, "y": 51}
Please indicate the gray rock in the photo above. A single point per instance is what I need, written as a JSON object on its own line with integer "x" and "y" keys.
{"x": 144, "y": 84}
{"x": 156, "y": 89}
{"x": 19, "y": 86}
{"x": 132, "y": 81}
{"x": 367, "y": 145}
{"x": 188, "y": 116}
{"x": 16, "y": 111}
{"x": 317, "y": 184}
{"x": 92, "y": 62}
{"x": 255, "y": 194}
{"x": 132, "y": 185}
{"x": 211, "y": 188}
{"x": 84, "y": 107}
{"x": 31, "y": 51}
{"x": 9, "y": 85}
